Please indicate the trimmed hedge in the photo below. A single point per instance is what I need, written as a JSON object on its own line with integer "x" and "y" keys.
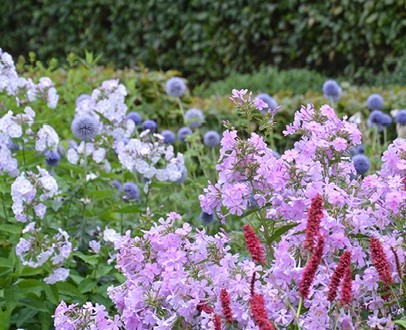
{"x": 208, "y": 39}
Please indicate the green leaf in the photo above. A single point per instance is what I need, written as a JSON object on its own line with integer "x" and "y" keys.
{"x": 91, "y": 260}
{"x": 71, "y": 167}
{"x": 11, "y": 229}
{"x": 401, "y": 322}
{"x": 68, "y": 289}
{"x": 87, "y": 285}
{"x": 6, "y": 263}
{"x": 280, "y": 231}
{"x": 30, "y": 285}
{"x": 51, "y": 293}
{"x": 36, "y": 304}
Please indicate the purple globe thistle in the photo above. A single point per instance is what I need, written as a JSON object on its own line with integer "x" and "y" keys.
{"x": 400, "y": 117}
{"x": 361, "y": 163}
{"x": 194, "y": 118}
{"x": 359, "y": 149}
{"x": 332, "y": 90}
{"x": 183, "y": 132}
{"x": 52, "y": 158}
{"x": 375, "y": 118}
{"x": 211, "y": 139}
{"x": 375, "y": 102}
{"x": 169, "y": 136}
{"x": 131, "y": 192}
{"x": 84, "y": 127}
{"x": 206, "y": 218}
{"x": 269, "y": 100}
{"x": 175, "y": 87}
{"x": 149, "y": 124}
{"x": 116, "y": 184}
{"x": 135, "y": 117}
{"x": 386, "y": 120}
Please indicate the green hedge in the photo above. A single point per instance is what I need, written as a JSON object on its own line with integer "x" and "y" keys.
{"x": 208, "y": 39}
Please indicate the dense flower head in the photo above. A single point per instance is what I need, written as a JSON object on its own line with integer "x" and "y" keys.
{"x": 386, "y": 120}
{"x": 85, "y": 127}
{"x": 400, "y": 117}
{"x": 135, "y": 117}
{"x": 253, "y": 245}
{"x": 361, "y": 163}
{"x": 150, "y": 125}
{"x": 47, "y": 138}
{"x": 116, "y": 184}
{"x": 375, "y": 102}
{"x": 331, "y": 89}
{"x": 226, "y": 305}
{"x": 360, "y": 149}
{"x": 339, "y": 274}
{"x": 169, "y": 136}
{"x": 175, "y": 86}
{"x": 269, "y": 100}
{"x": 194, "y": 118}
{"x": 52, "y": 158}
{"x": 211, "y": 139}
{"x": 259, "y": 312}
{"x": 314, "y": 217}
{"x": 206, "y": 218}
{"x": 380, "y": 261}
{"x": 82, "y": 97}
{"x": 131, "y": 191}
{"x": 346, "y": 288}
{"x": 183, "y": 133}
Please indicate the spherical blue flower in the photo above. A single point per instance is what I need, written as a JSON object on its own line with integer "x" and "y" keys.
{"x": 206, "y": 218}
{"x": 375, "y": 102}
{"x": 116, "y": 184}
{"x": 359, "y": 149}
{"x": 332, "y": 90}
{"x": 131, "y": 191}
{"x": 175, "y": 87}
{"x": 211, "y": 139}
{"x": 194, "y": 118}
{"x": 169, "y": 136}
{"x": 269, "y": 100}
{"x": 361, "y": 163}
{"x": 52, "y": 158}
{"x": 401, "y": 117}
{"x": 135, "y": 117}
{"x": 183, "y": 132}
{"x": 375, "y": 118}
{"x": 84, "y": 127}
{"x": 82, "y": 97}
{"x": 386, "y": 120}
{"x": 149, "y": 124}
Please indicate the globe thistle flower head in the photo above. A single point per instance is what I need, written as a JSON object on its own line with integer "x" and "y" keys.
{"x": 361, "y": 164}
{"x": 211, "y": 139}
{"x": 359, "y": 149}
{"x": 386, "y": 120}
{"x": 400, "y": 117}
{"x": 52, "y": 158}
{"x": 175, "y": 87}
{"x": 149, "y": 124}
{"x": 131, "y": 192}
{"x": 269, "y": 100}
{"x": 332, "y": 90}
{"x": 206, "y": 218}
{"x": 183, "y": 132}
{"x": 375, "y": 102}
{"x": 135, "y": 117}
{"x": 116, "y": 184}
{"x": 375, "y": 118}
{"x": 169, "y": 136}
{"x": 85, "y": 127}
{"x": 194, "y": 118}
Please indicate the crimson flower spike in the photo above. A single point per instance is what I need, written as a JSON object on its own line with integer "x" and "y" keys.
{"x": 259, "y": 313}
{"x": 311, "y": 268}
{"x": 380, "y": 262}
{"x": 346, "y": 288}
{"x": 253, "y": 245}
{"x": 226, "y": 305}
{"x": 338, "y": 274}
{"x": 314, "y": 216}
{"x": 217, "y": 322}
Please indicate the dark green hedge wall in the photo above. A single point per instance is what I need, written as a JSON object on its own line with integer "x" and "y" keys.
{"x": 207, "y": 38}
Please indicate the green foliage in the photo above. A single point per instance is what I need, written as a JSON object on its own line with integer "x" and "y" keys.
{"x": 208, "y": 40}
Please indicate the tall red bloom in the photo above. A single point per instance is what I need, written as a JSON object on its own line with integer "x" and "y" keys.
{"x": 203, "y": 307}
{"x": 380, "y": 262}
{"x": 311, "y": 268}
{"x": 259, "y": 313}
{"x": 346, "y": 289}
{"x": 398, "y": 265}
{"x": 217, "y": 322}
{"x": 314, "y": 217}
{"x": 253, "y": 284}
{"x": 338, "y": 274}
{"x": 253, "y": 245}
{"x": 226, "y": 305}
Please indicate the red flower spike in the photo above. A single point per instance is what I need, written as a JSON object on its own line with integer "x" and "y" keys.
{"x": 253, "y": 245}
{"x": 253, "y": 284}
{"x": 217, "y": 322}
{"x": 226, "y": 305}
{"x": 398, "y": 265}
{"x": 338, "y": 274}
{"x": 380, "y": 262}
{"x": 311, "y": 268}
{"x": 259, "y": 313}
{"x": 346, "y": 289}
{"x": 314, "y": 217}
{"x": 203, "y": 307}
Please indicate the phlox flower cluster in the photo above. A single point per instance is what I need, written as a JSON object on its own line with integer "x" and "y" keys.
{"x": 84, "y": 151}
{"x": 151, "y": 157}
{"x": 29, "y": 191}
{"x": 37, "y": 249}
{"x": 24, "y": 89}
